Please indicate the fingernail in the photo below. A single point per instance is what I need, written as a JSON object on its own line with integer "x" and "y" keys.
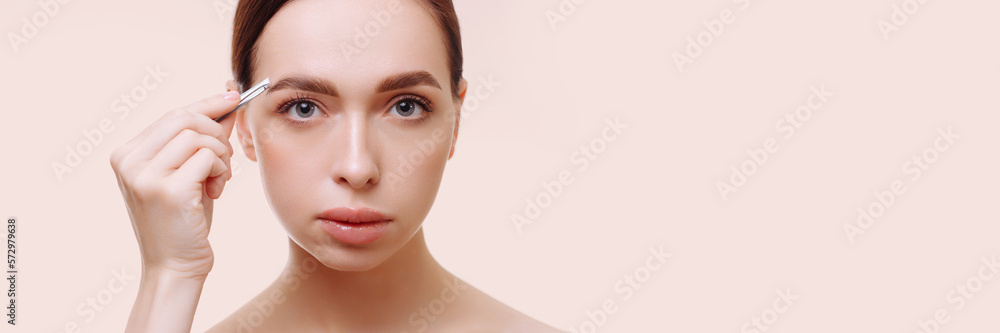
{"x": 231, "y": 95}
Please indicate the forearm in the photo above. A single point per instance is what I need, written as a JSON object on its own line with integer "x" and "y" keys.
{"x": 166, "y": 302}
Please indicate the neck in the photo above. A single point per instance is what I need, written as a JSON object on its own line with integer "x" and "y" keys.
{"x": 346, "y": 301}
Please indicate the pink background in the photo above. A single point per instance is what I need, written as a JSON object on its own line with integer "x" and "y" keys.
{"x": 655, "y": 185}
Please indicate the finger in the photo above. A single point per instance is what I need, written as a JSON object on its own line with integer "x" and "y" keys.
{"x": 227, "y": 128}
{"x": 167, "y": 129}
{"x": 227, "y": 124}
{"x": 215, "y": 106}
{"x": 182, "y": 147}
{"x": 206, "y": 108}
{"x": 215, "y": 185}
{"x": 154, "y": 137}
{"x": 197, "y": 169}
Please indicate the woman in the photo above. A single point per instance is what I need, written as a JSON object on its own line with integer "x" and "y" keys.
{"x": 352, "y": 139}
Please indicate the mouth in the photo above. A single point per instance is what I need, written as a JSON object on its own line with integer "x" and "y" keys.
{"x": 354, "y": 225}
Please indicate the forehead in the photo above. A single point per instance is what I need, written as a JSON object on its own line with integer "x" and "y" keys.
{"x": 351, "y": 40}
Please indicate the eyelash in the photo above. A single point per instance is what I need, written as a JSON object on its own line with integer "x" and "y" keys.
{"x": 424, "y": 103}
{"x": 298, "y": 98}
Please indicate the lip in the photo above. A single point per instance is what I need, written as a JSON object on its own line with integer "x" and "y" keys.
{"x": 354, "y": 225}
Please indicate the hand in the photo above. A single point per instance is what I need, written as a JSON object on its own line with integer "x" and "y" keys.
{"x": 170, "y": 175}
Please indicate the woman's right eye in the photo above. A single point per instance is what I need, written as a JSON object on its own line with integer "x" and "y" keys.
{"x": 301, "y": 109}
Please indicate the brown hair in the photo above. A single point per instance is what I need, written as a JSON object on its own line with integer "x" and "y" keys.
{"x": 253, "y": 15}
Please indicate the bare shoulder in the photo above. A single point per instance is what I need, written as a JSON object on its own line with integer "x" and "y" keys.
{"x": 463, "y": 308}
{"x": 229, "y": 324}
{"x": 475, "y": 311}
{"x": 248, "y": 318}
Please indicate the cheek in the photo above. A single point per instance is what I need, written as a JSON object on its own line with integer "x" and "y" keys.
{"x": 412, "y": 173}
{"x": 289, "y": 173}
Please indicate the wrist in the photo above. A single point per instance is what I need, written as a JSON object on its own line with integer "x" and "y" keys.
{"x": 167, "y": 275}
{"x": 172, "y": 270}
{"x": 166, "y": 302}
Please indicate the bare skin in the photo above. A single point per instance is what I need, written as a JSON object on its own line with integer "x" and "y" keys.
{"x": 361, "y": 145}
{"x": 439, "y": 302}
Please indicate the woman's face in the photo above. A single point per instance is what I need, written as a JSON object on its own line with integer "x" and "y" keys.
{"x": 360, "y": 113}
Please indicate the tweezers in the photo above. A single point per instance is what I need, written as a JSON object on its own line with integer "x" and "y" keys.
{"x": 246, "y": 96}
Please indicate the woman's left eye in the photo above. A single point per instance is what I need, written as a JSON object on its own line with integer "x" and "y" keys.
{"x": 407, "y": 107}
{"x": 302, "y": 109}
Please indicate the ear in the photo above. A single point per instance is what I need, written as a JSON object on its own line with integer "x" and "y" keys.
{"x": 242, "y": 128}
{"x": 245, "y": 137}
{"x": 462, "y": 88}
{"x": 231, "y": 86}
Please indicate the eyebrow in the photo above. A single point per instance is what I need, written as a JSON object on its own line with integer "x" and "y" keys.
{"x": 323, "y": 86}
{"x": 406, "y": 80}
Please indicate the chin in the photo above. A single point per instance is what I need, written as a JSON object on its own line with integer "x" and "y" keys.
{"x": 347, "y": 257}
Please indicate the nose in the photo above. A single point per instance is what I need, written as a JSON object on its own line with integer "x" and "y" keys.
{"x": 357, "y": 167}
